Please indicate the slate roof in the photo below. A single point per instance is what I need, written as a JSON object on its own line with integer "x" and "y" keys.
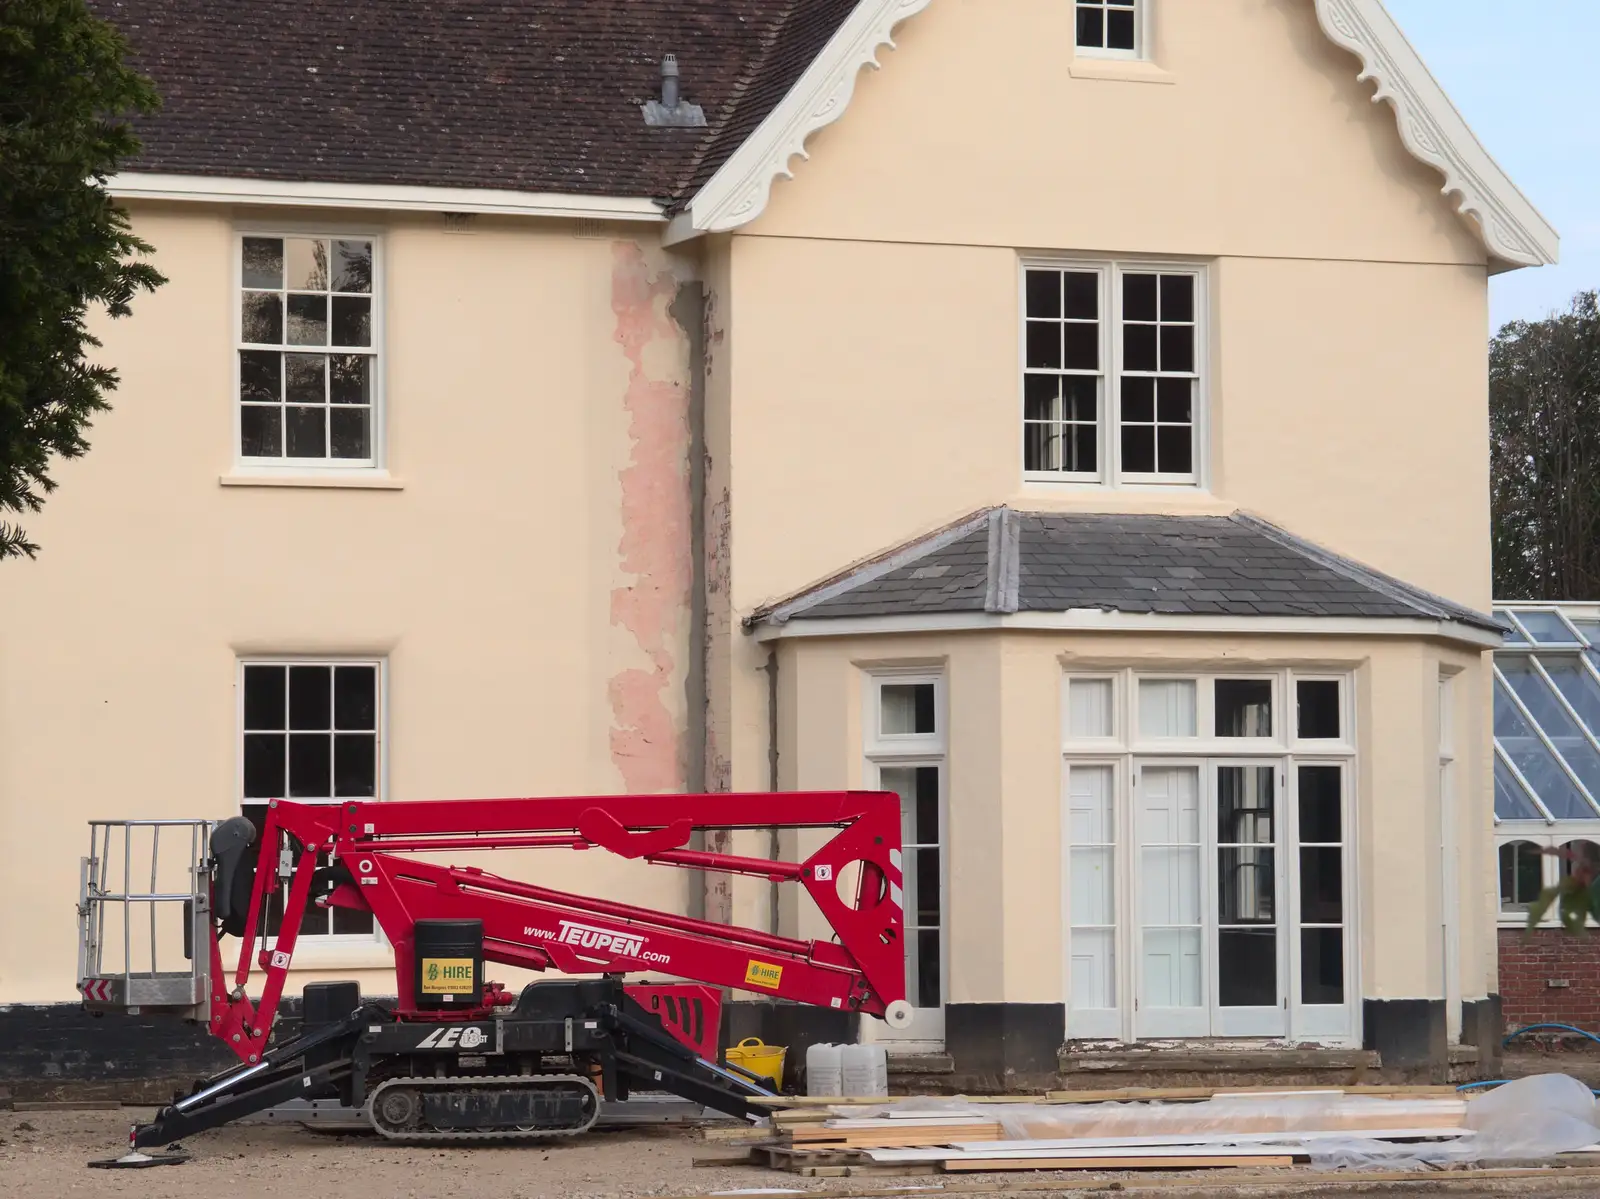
{"x": 526, "y": 95}
{"x": 1001, "y": 561}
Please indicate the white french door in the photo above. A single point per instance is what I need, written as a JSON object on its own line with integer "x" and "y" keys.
{"x": 1172, "y": 882}
{"x": 1208, "y": 828}
{"x": 1250, "y": 994}
{"x": 1211, "y": 956}
{"x": 919, "y": 786}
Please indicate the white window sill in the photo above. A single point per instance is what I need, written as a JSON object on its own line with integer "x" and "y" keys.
{"x": 1066, "y": 482}
{"x": 1122, "y": 70}
{"x": 368, "y": 480}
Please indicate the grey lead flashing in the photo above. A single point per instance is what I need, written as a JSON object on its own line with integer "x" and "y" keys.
{"x": 1425, "y": 602}
{"x": 780, "y": 613}
{"x": 1005, "y": 559}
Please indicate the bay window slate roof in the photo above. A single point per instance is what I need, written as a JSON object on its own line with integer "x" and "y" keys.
{"x": 1002, "y": 561}
{"x": 522, "y": 95}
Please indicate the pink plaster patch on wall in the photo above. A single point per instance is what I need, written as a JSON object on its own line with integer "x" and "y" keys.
{"x": 646, "y": 740}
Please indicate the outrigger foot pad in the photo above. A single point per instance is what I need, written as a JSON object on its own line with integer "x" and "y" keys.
{"x": 174, "y": 1156}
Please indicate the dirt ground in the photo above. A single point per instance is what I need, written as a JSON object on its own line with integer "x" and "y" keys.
{"x": 45, "y": 1154}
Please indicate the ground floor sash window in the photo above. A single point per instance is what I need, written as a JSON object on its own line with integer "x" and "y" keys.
{"x": 1208, "y": 856}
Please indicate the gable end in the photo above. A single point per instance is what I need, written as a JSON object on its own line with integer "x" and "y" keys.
{"x": 1437, "y": 135}
{"x": 739, "y": 191}
{"x": 1432, "y": 131}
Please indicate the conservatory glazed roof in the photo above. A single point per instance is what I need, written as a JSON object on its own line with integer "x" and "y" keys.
{"x": 1547, "y": 713}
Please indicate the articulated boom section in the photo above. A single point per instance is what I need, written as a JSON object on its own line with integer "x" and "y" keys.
{"x": 854, "y": 879}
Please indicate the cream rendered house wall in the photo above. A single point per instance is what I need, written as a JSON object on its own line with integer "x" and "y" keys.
{"x": 1004, "y": 759}
{"x": 875, "y": 303}
{"x": 527, "y": 581}
{"x": 872, "y": 311}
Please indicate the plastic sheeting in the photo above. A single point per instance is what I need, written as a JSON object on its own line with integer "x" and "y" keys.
{"x": 1528, "y": 1119}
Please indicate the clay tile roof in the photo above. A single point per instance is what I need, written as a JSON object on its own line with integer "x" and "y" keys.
{"x": 528, "y": 95}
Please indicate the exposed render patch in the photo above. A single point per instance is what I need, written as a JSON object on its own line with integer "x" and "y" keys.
{"x": 645, "y": 740}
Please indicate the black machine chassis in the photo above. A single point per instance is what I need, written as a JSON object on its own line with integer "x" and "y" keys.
{"x": 586, "y": 1036}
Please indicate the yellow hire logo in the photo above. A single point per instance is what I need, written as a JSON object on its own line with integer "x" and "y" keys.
{"x": 433, "y": 971}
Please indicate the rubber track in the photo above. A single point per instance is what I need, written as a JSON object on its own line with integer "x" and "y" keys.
{"x": 423, "y": 1083}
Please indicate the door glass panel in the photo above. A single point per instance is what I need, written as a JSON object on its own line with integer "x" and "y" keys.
{"x": 918, "y": 789}
{"x": 1169, "y": 885}
{"x": 1320, "y": 816}
{"x": 1247, "y": 967}
{"x": 1321, "y": 885}
{"x": 1247, "y": 909}
{"x": 1172, "y": 967}
{"x": 1322, "y": 965}
{"x": 1092, "y": 880}
{"x": 1094, "y": 978}
{"x": 1320, "y": 791}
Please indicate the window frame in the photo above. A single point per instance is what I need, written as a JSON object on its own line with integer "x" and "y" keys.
{"x": 1118, "y": 735}
{"x": 1291, "y": 715}
{"x": 1131, "y": 751}
{"x": 1141, "y": 36}
{"x": 1110, "y": 475}
{"x": 1543, "y": 836}
{"x": 1097, "y": 1023}
{"x": 376, "y": 462}
{"x": 890, "y": 745}
{"x": 338, "y": 946}
{"x": 911, "y": 751}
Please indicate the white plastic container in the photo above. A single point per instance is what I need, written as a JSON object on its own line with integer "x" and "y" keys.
{"x": 825, "y": 1071}
{"x": 866, "y": 1070}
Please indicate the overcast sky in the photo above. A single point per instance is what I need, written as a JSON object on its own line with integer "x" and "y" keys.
{"x": 1526, "y": 75}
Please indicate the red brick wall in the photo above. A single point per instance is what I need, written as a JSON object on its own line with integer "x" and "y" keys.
{"x": 1530, "y": 962}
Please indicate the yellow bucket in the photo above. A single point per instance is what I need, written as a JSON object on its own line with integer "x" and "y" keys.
{"x": 765, "y": 1061}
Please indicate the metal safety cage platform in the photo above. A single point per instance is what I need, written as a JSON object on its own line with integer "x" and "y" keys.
{"x": 155, "y": 907}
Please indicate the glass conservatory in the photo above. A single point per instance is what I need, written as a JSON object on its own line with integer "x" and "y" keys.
{"x": 1546, "y": 747}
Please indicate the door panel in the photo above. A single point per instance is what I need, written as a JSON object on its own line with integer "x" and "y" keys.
{"x": 922, "y": 841}
{"x": 1322, "y": 1001}
{"x": 1250, "y": 950}
{"x": 1091, "y": 821}
{"x": 1171, "y": 912}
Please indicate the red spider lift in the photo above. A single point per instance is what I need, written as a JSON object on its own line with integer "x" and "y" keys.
{"x": 459, "y": 1058}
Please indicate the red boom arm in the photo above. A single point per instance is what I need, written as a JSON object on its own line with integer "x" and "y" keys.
{"x": 538, "y": 928}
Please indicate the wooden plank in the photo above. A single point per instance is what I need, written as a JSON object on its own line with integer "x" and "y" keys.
{"x": 741, "y": 1132}
{"x": 1201, "y": 1162}
{"x": 1010, "y": 1148}
{"x": 799, "y": 1103}
{"x": 887, "y": 1140}
{"x": 1016, "y": 1151}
